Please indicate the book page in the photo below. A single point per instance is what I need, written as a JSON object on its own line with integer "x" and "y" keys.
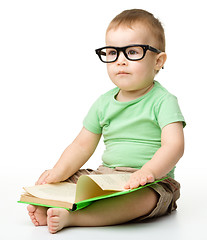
{"x": 63, "y": 191}
{"x": 87, "y": 188}
{"x": 114, "y": 182}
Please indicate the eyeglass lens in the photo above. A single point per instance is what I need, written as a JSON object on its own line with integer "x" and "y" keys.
{"x": 133, "y": 53}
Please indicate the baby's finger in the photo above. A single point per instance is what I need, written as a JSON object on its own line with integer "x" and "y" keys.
{"x": 42, "y": 178}
{"x": 143, "y": 181}
{"x": 135, "y": 183}
{"x": 150, "y": 178}
{"x": 127, "y": 186}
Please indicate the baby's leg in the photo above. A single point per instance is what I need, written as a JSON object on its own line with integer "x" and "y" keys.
{"x": 38, "y": 215}
{"x": 105, "y": 212}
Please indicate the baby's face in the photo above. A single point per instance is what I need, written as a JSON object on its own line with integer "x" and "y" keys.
{"x": 132, "y": 75}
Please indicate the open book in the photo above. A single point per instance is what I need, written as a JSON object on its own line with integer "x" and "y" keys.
{"x": 70, "y": 196}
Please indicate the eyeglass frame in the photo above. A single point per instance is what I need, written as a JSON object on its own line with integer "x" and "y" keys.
{"x": 123, "y": 49}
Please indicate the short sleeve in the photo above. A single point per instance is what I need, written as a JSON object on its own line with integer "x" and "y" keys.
{"x": 91, "y": 121}
{"x": 169, "y": 111}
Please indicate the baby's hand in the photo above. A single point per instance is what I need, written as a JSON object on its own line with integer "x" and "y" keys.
{"x": 140, "y": 177}
{"x": 49, "y": 176}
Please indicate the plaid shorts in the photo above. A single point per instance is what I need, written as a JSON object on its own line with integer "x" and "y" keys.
{"x": 168, "y": 190}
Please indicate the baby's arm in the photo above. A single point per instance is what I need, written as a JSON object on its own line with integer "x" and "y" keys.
{"x": 73, "y": 158}
{"x": 171, "y": 150}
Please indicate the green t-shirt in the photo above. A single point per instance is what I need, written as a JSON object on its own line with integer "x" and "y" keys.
{"x": 132, "y": 130}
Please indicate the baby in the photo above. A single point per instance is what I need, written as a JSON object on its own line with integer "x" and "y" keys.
{"x": 142, "y": 126}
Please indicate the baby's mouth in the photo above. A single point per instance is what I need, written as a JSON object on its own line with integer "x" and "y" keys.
{"x": 122, "y": 73}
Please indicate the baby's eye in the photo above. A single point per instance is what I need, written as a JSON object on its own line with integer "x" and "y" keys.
{"x": 112, "y": 53}
{"x": 132, "y": 52}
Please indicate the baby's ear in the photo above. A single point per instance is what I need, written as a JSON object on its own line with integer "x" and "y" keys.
{"x": 160, "y": 60}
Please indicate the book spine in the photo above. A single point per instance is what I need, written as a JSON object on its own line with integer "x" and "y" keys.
{"x": 74, "y": 207}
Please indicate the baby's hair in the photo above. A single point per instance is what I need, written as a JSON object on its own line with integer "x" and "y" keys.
{"x": 129, "y": 18}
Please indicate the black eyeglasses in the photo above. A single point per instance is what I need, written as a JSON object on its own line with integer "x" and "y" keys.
{"x": 136, "y": 52}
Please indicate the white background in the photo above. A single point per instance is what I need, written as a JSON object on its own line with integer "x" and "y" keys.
{"x": 50, "y": 76}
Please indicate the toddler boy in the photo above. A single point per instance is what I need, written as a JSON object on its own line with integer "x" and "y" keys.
{"x": 142, "y": 126}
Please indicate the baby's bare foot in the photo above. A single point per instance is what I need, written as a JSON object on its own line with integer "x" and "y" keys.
{"x": 38, "y": 215}
{"x": 57, "y": 219}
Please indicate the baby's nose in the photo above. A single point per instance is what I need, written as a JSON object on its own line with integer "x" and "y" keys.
{"x": 121, "y": 59}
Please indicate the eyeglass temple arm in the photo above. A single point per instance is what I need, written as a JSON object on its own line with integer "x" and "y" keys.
{"x": 101, "y": 53}
{"x": 155, "y": 50}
